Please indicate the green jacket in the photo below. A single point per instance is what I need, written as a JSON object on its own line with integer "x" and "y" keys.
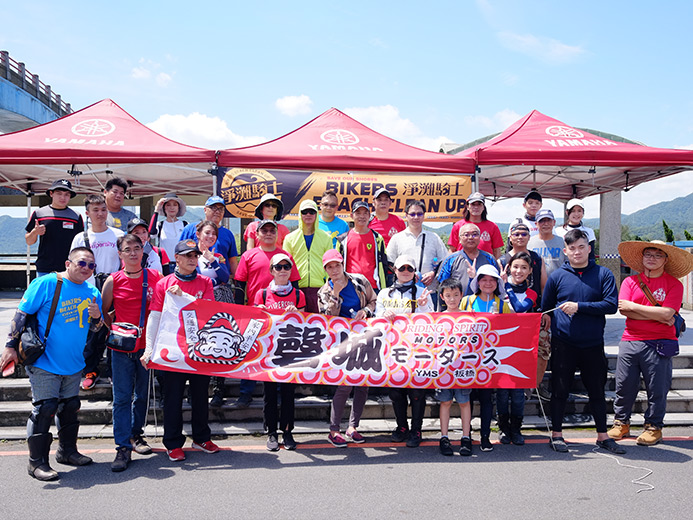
{"x": 308, "y": 263}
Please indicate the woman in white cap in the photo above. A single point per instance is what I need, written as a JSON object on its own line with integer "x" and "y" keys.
{"x": 404, "y": 298}
{"x": 488, "y": 296}
{"x": 350, "y": 296}
{"x": 170, "y": 208}
{"x": 574, "y": 212}
{"x": 269, "y": 208}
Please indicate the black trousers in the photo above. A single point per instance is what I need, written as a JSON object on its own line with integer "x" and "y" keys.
{"x": 417, "y": 397}
{"x": 174, "y": 382}
{"x": 565, "y": 359}
{"x": 286, "y": 412}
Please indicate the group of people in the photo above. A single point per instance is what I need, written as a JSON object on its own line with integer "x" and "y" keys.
{"x": 381, "y": 265}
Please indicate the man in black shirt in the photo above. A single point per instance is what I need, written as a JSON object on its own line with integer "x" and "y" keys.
{"x": 57, "y": 225}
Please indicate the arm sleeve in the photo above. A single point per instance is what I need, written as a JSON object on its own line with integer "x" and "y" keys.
{"x": 221, "y": 270}
{"x": 548, "y": 296}
{"x": 152, "y": 225}
{"x": 32, "y": 222}
{"x": 609, "y": 302}
{"x": 152, "y": 329}
{"x": 518, "y": 306}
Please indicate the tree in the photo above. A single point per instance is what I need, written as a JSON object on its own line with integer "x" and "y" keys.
{"x": 668, "y": 233}
{"x": 687, "y": 235}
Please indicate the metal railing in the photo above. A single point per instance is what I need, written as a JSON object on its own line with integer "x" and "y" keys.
{"x": 16, "y": 73}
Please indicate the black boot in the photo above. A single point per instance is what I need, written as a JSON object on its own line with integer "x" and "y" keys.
{"x": 39, "y": 447}
{"x": 67, "y": 449}
{"x": 504, "y": 427}
{"x": 516, "y": 430}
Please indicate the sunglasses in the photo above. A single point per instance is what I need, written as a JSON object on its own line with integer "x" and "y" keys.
{"x": 522, "y": 234}
{"x": 415, "y": 215}
{"x": 83, "y": 264}
{"x": 405, "y": 268}
{"x": 309, "y": 212}
{"x": 279, "y": 267}
{"x": 271, "y": 205}
{"x": 328, "y": 205}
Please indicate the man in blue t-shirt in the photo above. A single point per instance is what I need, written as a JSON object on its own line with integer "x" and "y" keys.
{"x": 328, "y": 222}
{"x": 226, "y": 243}
{"x": 55, "y": 376}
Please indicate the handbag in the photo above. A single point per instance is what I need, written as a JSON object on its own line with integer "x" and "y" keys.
{"x": 664, "y": 347}
{"x": 123, "y": 336}
{"x": 31, "y": 345}
{"x": 679, "y": 322}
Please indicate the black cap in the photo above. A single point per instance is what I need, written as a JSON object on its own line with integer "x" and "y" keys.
{"x": 534, "y": 194}
{"x": 61, "y": 184}
{"x": 360, "y": 204}
{"x": 137, "y": 222}
{"x": 186, "y": 246}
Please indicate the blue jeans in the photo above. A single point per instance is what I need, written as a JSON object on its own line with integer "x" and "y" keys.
{"x": 130, "y": 395}
{"x": 516, "y": 398}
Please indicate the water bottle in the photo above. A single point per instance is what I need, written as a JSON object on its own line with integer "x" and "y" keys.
{"x": 494, "y": 307}
{"x": 419, "y": 283}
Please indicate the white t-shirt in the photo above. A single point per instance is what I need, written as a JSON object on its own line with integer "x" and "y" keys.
{"x": 105, "y": 248}
{"x": 170, "y": 236}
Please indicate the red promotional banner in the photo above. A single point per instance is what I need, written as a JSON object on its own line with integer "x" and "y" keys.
{"x": 427, "y": 350}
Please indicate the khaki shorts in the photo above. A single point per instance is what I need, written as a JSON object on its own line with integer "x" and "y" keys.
{"x": 545, "y": 344}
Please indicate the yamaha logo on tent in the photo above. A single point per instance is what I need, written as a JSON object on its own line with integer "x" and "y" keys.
{"x": 564, "y": 131}
{"x": 93, "y": 128}
{"x": 339, "y": 137}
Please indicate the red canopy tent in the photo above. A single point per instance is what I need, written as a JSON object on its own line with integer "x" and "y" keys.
{"x": 97, "y": 141}
{"x": 563, "y": 162}
{"x": 335, "y": 141}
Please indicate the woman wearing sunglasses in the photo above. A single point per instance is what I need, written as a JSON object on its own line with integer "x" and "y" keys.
{"x": 270, "y": 208}
{"x": 280, "y": 297}
{"x": 307, "y": 245}
{"x": 405, "y": 297}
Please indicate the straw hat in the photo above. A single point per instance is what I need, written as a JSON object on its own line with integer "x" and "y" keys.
{"x": 166, "y": 198}
{"x": 679, "y": 265}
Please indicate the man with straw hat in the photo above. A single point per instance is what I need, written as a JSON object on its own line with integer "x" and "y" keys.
{"x": 649, "y": 300}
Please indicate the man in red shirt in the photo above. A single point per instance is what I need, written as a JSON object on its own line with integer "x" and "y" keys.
{"x": 126, "y": 289}
{"x": 364, "y": 249}
{"x": 385, "y": 223}
{"x": 184, "y": 279}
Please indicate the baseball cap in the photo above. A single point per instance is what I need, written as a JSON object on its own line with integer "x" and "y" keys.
{"x": 380, "y": 191}
{"x": 533, "y": 194}
{"x": 61, "y": 184}
{"x": 518, "y": 224}
{"x": 263, "y": 223}
{"x": 280, "y": 257}
{"x": 574, "y": 202}
{"x": 544, "y": 213}
{"x": 405, "y": 260}
{"x": 360, "y": 204}
{"x": 136, "y": 222}
{"x": 332, "y": 255}
{"x": 476, "y": 197}
{"x": 308, "y": 204}
{"x": 215, "y": 199}
{"x": 186, "y": 246}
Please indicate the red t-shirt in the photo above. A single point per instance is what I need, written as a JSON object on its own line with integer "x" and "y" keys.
{"x": 667, "y": 291}
{"x": 491, "y": 237}
{"x": 251, "y": 232}
{"x": 254, "y": 268}
{"x": 387, "y": 228}
{"x": 361, "y": 255}
{"x": 127, "y": 298}
{"x": 200, "y": 287}
{"x": 274, "y": 301}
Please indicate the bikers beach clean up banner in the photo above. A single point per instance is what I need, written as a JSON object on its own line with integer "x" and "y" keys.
{"x": 422, "y": 350}
{"x": 444, "y": 195}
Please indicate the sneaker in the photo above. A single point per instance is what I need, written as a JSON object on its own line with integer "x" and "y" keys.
{"x": 89, "y": 381}
{"x": 207, "y": 447}
{"x": 504, "y": 437}
{"x": 337, "y": 440}
{"x": 414, "y": 439}
{"x": 486, "y": 443}
{"x": 122, "y": 459}
{"x": 288, "y": 441}
{"x": 610, "y": 445}
{"x": 355, "y": 437}
{"x": 140, "y": 445}
{"x": 651, "y": 436}
{"x": 445, "y": 447}
{"x": 242, "y": 402}
{"x": 619, "y": 430}
{"x": 217, "y": 401}
{"x": 400, "y": 434}
{"x": 558, "y": 444}
{"x": 466, "y": 446}
{"x": 272, "y": 442}
{"x": 176, "y": 454}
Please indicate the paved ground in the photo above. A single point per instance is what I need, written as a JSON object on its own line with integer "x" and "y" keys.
{"x": 373, "y": 480}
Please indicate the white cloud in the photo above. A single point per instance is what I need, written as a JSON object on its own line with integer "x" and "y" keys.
{"x": 201, "y": 130}
{"x": 148, "y": 70}
{"x": 495, "y": 123}
{"x": 387, "y": 121}
{"x": 546, "y": 49}
{"x": 294, "y": 105}
{"x": 140, "y": 73}
{"x": 163, "y": 79}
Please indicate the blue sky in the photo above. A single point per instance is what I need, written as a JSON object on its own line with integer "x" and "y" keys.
{"x": 225, "y": 74}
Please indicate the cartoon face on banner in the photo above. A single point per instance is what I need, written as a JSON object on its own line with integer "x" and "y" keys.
{"x": 427, "y": 350}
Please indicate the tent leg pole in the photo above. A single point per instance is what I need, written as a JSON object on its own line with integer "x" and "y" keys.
{"x": 28, "y": 247}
